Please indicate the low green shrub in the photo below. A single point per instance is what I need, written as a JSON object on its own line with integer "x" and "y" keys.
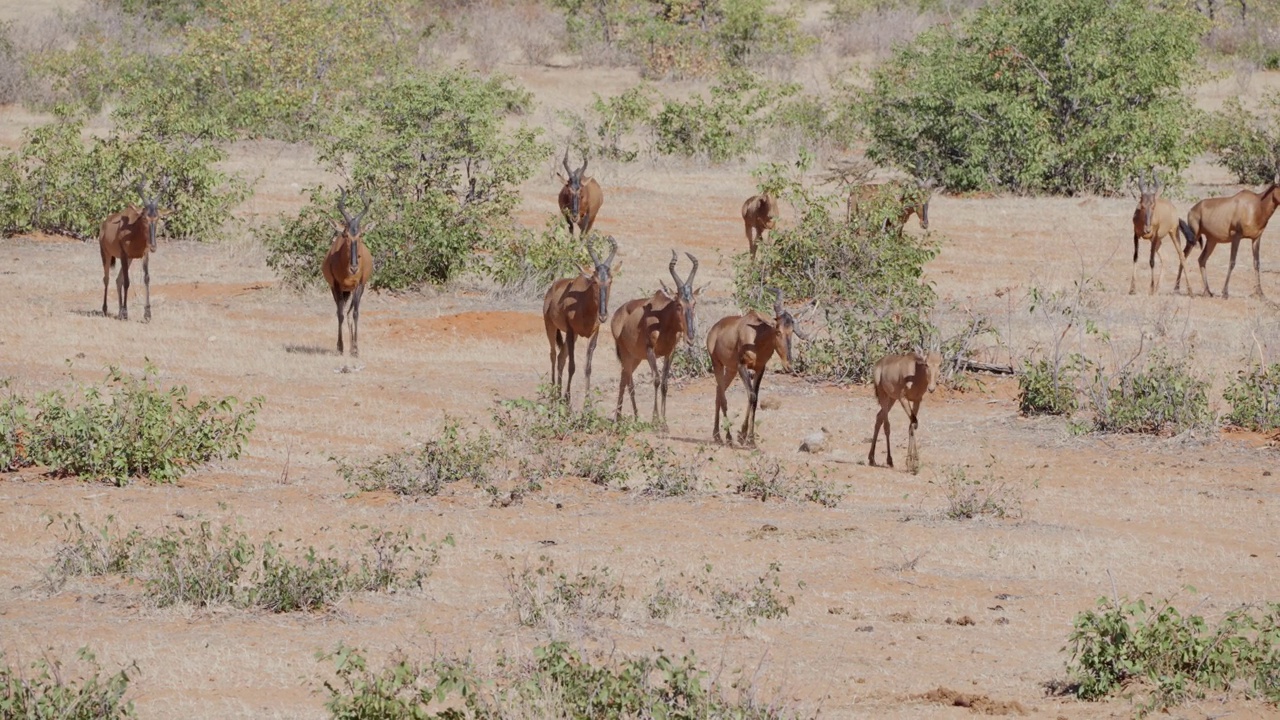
{"x": 49, "y": 692}
{"x": 606, "y": 128}
{"x": 425, "y": 470}
{"x": 530, "y": 261}
{"x": 542, "y": 596}
{"x": 1047, "y": 390}
{"x": 969, "y": 498}
{"x": 763, "y": 477}
{"x": 1254, "y": 396}
{"x": 1247, "y": 143}
{"x": 1164, "y": 396}
{"x": 721, "y": 127}
{"x": 127, "y": 428}
{"x": 758, "y": 600}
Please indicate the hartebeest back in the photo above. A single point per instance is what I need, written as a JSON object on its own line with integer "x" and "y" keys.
{"x": 758, "y": 216}
{"x": 576, "y": 307}
{"x": 1154, "y": 219}
{"x": 130, "y": 235}
{"x": 347, "y": 267}
{"x": 910, "y": 198}
{"x": 580, "y": 198}
{"x": 1228, "y": 220}
{"x": 649, "y": 328}
{"x": 742, "y": 345}
{"x": 904, "y": 379}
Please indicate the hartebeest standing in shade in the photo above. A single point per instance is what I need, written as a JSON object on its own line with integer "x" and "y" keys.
{"x": 912, "y": 199}
{"x": 580, "y": 198}
{"x": 576, "y": 307}
{"x": 758, "y": 216}
{"x": 742, "y": 345}
{"x": 1155, "y": 219}
{"x": 904, "y": 379}
{"x": 649, "y": 328}
{"x": 1228, "y": 220}
{"x": 348, "y": 266}
{"x": 129, "y": 236}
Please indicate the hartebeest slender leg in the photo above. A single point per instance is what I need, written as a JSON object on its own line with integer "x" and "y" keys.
{"x": 106, "y": 280}
{"x": 591, "y": 350}
{"x": 570, "y": 342}
{"x": 122, "y": 288}
{"x": 146, "y": 282}
{"x": 657, "y": 380}
{"x": 1257, "y": 268}
{"x": 1155, "y": 254}
{"x": 744, "y": 372}
{"x": 355, "y": 320}
{"x": 666, "y": 375}
{"x": 340, "y": 300}
{"x": 1235, "y": 248}
{"x": 1133, "y": 273}
{"x": 1205, "y": 252}
{"x": 556, "y": 341}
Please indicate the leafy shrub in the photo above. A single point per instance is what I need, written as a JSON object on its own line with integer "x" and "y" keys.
{"x": 1056, "y": 96}
{"x": 426, "y": 469}
{"x": 722, "y": 127}
{"x": 1161, "y": 397}
{"x": 763, "y": 477}
{"x": 84, "y": 550}
{"x": 1182, "y": 656}
{"x": 665, "y": 474}
{"x": 604, "y": 130}
{"x": 48, "y": 693}
{"x": 199, "y": 567}
{"x": 1254, "y": 396}
{"x": 432, "y": 154}
{"x": 129, "y": 428}
{"x": 530, "y": 262}
{"x": 1046, "y": 390}
{"x": 970, "y": 498}
{"x": 1246, "y": 143}
{"x": 753, "y": 601}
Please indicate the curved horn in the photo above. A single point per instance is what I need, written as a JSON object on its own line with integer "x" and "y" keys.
{"x": 594, "y": 260}
{"x": 672, "y": 268}
{"x": 360, "y": 217}
{"x": 566, "y": 161}
{"x": 613, "y": 250}
{"x": 692, "y": 272}
{"x": 583, "y": 169}
{"x": 342, "y": 206}
{"x": 777, "y": 301}
{"x": 1155, "y": 181}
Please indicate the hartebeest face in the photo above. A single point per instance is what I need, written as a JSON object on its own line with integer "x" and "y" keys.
{"x": 686, "y": 297}
{"x": 604, "y": 277}
{"x": 351, "y": 231}
{"x": 573, "y": 181}
{"x": 1149, "y": 195}
{"x": 930, "y": 364}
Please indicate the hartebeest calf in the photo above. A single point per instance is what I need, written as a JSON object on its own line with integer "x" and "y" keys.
{"x": 911, "y": 199}
{"x": 573, "y": 308}
{"x": 1228, "y": 220}
{"x": 903, "y": 379}
{"x": 580, "y": 198}
{"x": 1155, "y": 219}
{"x": 129, "y": 236}
{"x": 348, "y": 266}
{"x": 649, "y": 328}
{"x": 742, "y": 345}
{"x": 758, "y": 216}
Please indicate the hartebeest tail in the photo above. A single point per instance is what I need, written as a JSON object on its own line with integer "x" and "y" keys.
{"x": 649, "y": 328}
{"x": 1229, "y": 220}
{"x": 347, "y": 267}
{"x": 903, "y": 379}
{"x": 742, "y": 345}
{"x": 1154, "y": 219}
{"x": 580, "y": 198}
{"x": 576, "y": 307}
{"x": 758, "y": 216}
{"x": 130, "y": 235}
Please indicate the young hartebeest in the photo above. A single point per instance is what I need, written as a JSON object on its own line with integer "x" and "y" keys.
{"x": 912, "y": 200}
{"x": 742, "y": 345}
{"x": 904, "y": 379}
{"x": 580, "y": 198}
{"x": 649, "y": 328}
{"x": 758, "y": 216}
{"x": 130, "y": 235}
{"x": 1228, "y": 220}
{"x": 576, "y": 307}
{"x": 1155, "y": 219}
{"x": 348, "y": 266}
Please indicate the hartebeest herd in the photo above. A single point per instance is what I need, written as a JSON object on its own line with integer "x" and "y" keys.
{"x": 648, "y": 328}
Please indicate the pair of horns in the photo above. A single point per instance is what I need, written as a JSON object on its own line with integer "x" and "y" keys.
{"x": 566, "y": 164}
{"x": 1153, "y": 186}
{"x": 613, "y": 250}
{"x": 342, "y": 208}
{"x": 672, "y": 267}
{"x": 780, "y": 312}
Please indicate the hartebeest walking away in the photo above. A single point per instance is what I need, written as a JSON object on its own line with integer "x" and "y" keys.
{"x": 573, "y": 308}
{"x": 912, "y": 198}
{"x": 347, "y": 267}
{"x": 650, "y": 328}
{"x": 580, "y": 198}
{"x": 1229, "y": 220}
{"x": 758, "y": 214}
{"x": 127, "y": 236}
{"x": 902, "y": 379}
{"x": 742, "y": 345}
{"x": 1155, "y": 219}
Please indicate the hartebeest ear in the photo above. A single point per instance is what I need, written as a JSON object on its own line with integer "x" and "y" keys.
{"x": 560, "y": 176}
{"x": 338, "y": 225}
{"x": 368, "y": 228}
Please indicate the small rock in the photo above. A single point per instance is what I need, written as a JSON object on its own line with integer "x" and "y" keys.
{"x": 814, "y": 442}
{"x": 1266, "y": 473}
{"x": 770, "y": 403}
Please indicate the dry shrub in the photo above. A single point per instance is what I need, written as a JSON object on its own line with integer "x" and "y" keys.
{"x": 491, "y": 33}
{"x": 541, "y": 32}
{"x": 878, "y": 31}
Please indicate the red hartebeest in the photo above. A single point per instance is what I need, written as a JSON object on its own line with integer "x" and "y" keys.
{"x": 348, "y": 266}
{"x": 902, "y": 378}
{"x": 580, "y": 198}
{"x": 758, "y": 216}
{"x": 1154, "y": 219}
{"x": 129, "y": 236}
{"x": 573, "y": 308}
{"x": 649, "y": 328}
{"x": 1228, "y": 220}
{"x": 742, "y": 345}
{"x": 911, "y": 200}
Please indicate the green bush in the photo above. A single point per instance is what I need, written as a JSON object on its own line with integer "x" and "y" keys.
{"x": 1044, "y": 389}
{"x": 1041, "y": 96}
{"x": 49, "y": 693}
{"x": 763, "y": 477}
{"x": 426, "y": 469}
{"x": 1182, "y": 656}
{"x": 1254, "y": 396}
{"x": 125, "y": 429}
{"x": 721, "y": 127}
{"x": 1163, "y": 396}
{"x": 530, "y": 261}
{"x": 433, "y": 155}
{"x": 604, "y": 130}
{"x": 1246, "y": 143}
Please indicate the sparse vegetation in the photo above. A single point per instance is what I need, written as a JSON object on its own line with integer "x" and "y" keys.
{"x": 1044, "y": 389}
{"x": 1254, "y": 397}
{"x": 971, "y": 498}
{"x": 127, "y": 428}
{"x": 48, "y": 691}
{"x": 1247, "y": 143}
{"x": 450, "y": 457}
{"x": 763, "y": 477}
{"x": 1164, "y": 396}
{"x": 545, "y": 597}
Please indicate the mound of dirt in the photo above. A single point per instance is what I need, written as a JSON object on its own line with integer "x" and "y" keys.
{"x": 980, "y": 704}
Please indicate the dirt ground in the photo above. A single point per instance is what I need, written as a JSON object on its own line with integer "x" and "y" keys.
{"x": 878, "y": 581}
